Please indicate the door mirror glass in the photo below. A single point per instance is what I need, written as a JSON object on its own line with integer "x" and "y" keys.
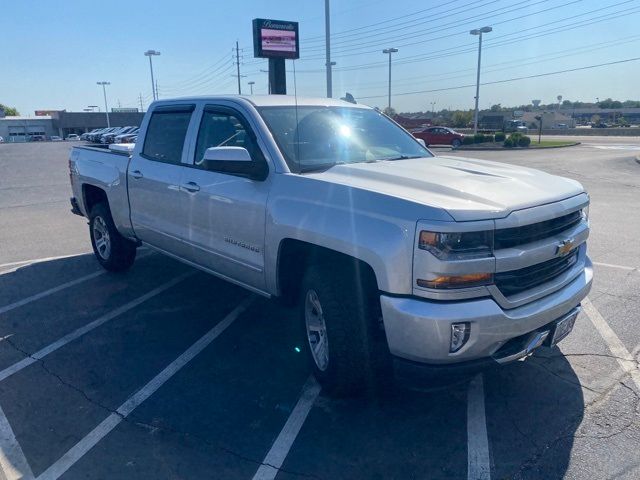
{"x": 226, "y": 154}
{"x": 421, "y": 142}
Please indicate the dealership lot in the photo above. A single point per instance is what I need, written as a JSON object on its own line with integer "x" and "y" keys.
{"x": 165, "y": 372}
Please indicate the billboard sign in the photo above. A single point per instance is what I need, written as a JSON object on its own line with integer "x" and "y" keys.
{"x": 275, "y": 39}
{"x": 124, "y": 110}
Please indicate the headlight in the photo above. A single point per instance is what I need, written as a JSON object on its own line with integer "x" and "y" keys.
{"x": 457, "y": 246}
{"x": 585, "y": 213}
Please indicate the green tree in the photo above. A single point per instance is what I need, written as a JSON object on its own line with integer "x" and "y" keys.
{"x": 595, "y": 119}
{"x": 389, "y": 111}
{"x": 496, "y": 108}
{"x": 9, "y": 111}
{"x": 461, "y": 119}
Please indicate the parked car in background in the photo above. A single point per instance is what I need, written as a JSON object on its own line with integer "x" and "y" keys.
{"x": 440, "y": 136}
{"x": 72, "y": 137}
{"x": 37, "y": 138}
{"x": 55, "y": 138}
{"x": 111, "y": 137}
{"x": 122, "y": 138}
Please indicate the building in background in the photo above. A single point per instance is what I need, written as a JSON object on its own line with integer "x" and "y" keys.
{"x": 62, "y": 123}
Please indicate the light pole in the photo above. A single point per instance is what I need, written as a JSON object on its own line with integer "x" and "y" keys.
{"x": 327, "y": 46}
{"x": 432, "y": 108}
{"x": 389, "y": 51}
{"x": 104, "y": 92}
{"x": 479, "y": 32}
{"x": 251, "y": 84}
{"x": 151, "y": 53}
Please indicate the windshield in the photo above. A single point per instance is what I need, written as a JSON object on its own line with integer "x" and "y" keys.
{"x": 317, "y": 137}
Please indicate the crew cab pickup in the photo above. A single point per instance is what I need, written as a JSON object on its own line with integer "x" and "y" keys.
{"x": 389, "y": 252}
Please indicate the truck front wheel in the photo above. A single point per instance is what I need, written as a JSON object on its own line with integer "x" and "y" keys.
{"x": 114, "y": 252}
{"x": 336, "y": 316}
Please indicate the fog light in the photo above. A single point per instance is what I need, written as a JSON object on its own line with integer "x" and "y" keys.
{"x": 459, "y": 335}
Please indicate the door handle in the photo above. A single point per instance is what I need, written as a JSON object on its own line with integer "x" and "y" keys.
{"x": 137, "y": 174}
{"x": 191, "y": 187}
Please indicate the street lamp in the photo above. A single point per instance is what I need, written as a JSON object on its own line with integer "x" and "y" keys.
{"x": 479, "y": 32}
{"x": 104, "y": 92}
{"x": 432, "y": 108}
{"x": 389, "y": 51}
{"x": 251, "y": 84}
{"x": 151, "y": 53}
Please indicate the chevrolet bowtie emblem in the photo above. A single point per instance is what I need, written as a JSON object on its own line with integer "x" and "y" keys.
{"x": 565, "y": 247}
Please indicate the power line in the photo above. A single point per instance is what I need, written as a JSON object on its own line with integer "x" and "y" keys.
{"x": 207, "y": 72}
{"x": 470, "y": 47}
{"x": 495, "y": 82}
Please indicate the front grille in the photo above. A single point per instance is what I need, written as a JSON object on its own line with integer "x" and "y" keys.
{"x": 511, "y": 237}
{"x": 516, "y": 281}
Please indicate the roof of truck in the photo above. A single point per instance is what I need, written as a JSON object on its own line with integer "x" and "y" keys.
{"x": 272, "y": 100}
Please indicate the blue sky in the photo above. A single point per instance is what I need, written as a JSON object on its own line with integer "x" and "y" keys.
{"x": 53, "y": 53}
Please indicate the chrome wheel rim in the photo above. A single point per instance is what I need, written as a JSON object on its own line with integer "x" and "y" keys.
{"x": 101, "y": 238}
{"x": 316, "y": 330}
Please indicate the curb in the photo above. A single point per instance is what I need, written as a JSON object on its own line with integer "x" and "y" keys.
{"x": 517, "y": 149}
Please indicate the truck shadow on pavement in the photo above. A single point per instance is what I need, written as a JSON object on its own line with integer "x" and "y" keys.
{"x": 252, "y": 379}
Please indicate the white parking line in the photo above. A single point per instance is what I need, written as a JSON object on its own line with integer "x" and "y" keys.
{"x": 13, "y": 463}
{"x": 283, "y": 443}
{"x": 610, "y": 265}
{"x": 478, "y": 461}
{"x": 53, "y": 290}
{"x": 76, "y": 452}
{"x": 16, "y": 367}
{"x": 45, "y": 259}
{"x": 623, "y": 356}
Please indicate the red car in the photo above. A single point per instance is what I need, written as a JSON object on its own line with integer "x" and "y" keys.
{"x": 440, "y": 136}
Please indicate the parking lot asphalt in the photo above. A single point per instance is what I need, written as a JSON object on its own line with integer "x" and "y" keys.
{"x": 166, "y": 372}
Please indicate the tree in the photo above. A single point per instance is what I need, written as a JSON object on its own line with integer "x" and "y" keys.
{"x": 461, "y": 119}
{"x": 9, "y": 111}
{"x": 389, "y": 111}
{"x": 595, "y": 119}
{"x": 496, "y": 108}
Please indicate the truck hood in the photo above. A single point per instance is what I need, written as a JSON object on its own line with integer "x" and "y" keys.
{"x": 468, "y": 189}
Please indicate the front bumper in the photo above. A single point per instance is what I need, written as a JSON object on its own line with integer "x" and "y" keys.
{"x": 420, "y": 330}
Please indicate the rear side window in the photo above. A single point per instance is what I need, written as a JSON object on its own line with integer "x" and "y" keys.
{"x": 165, "y": 136}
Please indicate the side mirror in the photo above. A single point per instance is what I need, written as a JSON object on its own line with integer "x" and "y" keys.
{"x": 422, "y": 142}
{"x": 227, "y": 154}
{"x": 234, "y": 161}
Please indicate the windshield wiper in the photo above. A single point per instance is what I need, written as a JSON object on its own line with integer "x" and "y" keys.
{"x": 401, "y": 157}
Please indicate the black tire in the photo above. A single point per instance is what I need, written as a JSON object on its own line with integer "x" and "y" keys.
{"x": 347, "y": 305}
{"x": 121, "y": 253}
{"x": 456, "y": 143}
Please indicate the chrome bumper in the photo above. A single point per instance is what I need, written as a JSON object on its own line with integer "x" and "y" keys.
{"x": 420, "y": 330}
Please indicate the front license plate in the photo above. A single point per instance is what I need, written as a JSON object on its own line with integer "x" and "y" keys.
{"x": 563, "y": 328}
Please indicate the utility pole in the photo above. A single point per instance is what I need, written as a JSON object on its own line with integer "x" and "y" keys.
{"x": 141, "y": 104}
{"x": 479, "y": 32}
{"x": 104, "y": 92}
{"x": 238, "y": 67}
{"x": 157, "y": 95}
{"x": 327, "y": 43}
{"x": 389, "y": 51}
{"x": 251, "y": 84}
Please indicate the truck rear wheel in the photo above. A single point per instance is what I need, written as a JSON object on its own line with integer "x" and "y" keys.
{"x": 336, "y": 318}
{"x": 114, "y": 252}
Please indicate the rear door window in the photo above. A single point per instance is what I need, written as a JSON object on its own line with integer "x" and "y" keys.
{"x": 164, "y": 140}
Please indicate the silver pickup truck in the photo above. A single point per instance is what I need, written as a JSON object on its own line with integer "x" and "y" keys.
{"x": 389, "y": 252}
